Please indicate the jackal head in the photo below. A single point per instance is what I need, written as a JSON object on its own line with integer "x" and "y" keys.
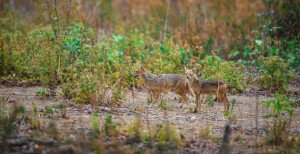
{"x": 139, "y": 72}
{"x": 189, "y": 74}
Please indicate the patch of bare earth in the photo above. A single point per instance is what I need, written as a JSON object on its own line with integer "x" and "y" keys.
{"x": 244, "y": 136}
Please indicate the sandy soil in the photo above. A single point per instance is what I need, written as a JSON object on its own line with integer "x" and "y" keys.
{"x": 188, "y": 124}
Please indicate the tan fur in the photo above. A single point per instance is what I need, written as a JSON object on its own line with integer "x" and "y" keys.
{"x": 157, "y": 84}
{"x": 200, "y": 86}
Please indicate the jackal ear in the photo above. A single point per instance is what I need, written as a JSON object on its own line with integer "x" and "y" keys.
{"x": 142, "y": 68}
{"x": 185, "y": 69}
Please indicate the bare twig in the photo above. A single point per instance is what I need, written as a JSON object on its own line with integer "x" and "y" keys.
{"x": 256, "y": 120}
{"x": 218, "y": 64}
{"x": 148, "y": 123}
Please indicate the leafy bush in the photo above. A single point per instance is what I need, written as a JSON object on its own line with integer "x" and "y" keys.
{"x": 167, "y": 58}
{"x": 282, "y": 111}
{"x": 274, "y": 73}
{"x": 231, "y": 72}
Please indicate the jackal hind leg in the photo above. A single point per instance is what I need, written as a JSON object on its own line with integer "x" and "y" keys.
{"x": 224, "y": 100}
{"x": 227, "y": 102}
{"x": 183, "y": 98}
{"x": 158, "y": 97}
{"x": 153, "y": 97}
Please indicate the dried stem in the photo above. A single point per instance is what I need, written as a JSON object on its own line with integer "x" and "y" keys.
{"x": 256, "y": 120}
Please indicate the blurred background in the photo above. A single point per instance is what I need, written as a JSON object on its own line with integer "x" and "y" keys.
{"x": 224, "y": 24}
{"x": 163, "y": 35}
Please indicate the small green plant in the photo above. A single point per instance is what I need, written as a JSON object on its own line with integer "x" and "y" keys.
{"x": 134, "y": 128}
{"x": 206, "y": 132}
{"x": 167, "y": 137}
{"x": 281, "y": 112}
{"x": 274, "y": 74}
{"x": 163, "y": 105}
{"x": 35, "y": 123}
{"x": 230, "y": 113}
{"x": 49, "y": 111}
{"x": 110, "y": 126}
{"x": 192, "y": 109}
{"x": 63, "y": 110}
{"x": 41, "y": 93}
{"x": 210, "y": 100}
{"x": 118, "y": 96}
{"x": 150, "y": 100}
{"x": 95, "y": 125}
{"x": 34, "y": 109}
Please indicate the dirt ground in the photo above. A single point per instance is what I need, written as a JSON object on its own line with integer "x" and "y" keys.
{"x": 78, "y": 122}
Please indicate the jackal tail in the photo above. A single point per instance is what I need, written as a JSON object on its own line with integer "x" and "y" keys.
{"x": 230, "y": 88}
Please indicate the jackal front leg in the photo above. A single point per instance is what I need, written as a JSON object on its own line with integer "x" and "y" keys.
{"x": 198, "y": 103}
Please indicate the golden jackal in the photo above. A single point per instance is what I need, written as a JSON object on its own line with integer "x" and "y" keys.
{"x": 200, "y": 86}
{"x": 165, "y": 82}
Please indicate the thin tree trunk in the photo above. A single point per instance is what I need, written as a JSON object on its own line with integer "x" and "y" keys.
{"x": 166, "y": 20}
{"x": 50, "y": 17}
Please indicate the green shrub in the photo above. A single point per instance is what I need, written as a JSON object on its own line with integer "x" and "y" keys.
{"x": 167, "y": 57}
{"x": 49, "y": 111}
{"x": 41, "y": 93}
{"x": 274, "y": 73}
{"x": 134, "y": 128}
{"x": 86, "y": 86}
{"x": 231, "y": 72}
{"x": 282, "y": 109}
